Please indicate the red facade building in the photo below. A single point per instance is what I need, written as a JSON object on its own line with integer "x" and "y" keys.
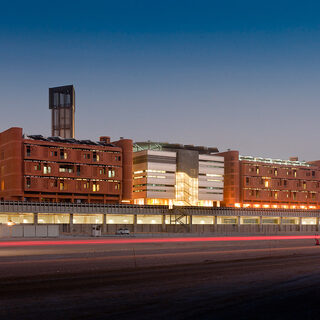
{"x": 270, "y": 183}
{"x": 53, "y": 169}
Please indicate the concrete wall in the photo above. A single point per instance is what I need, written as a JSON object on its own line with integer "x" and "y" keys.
{"x": 195, "y": 229}
{"x": 29, "y": 231}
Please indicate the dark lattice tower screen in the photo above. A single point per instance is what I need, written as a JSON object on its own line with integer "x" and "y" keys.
{"x": 62, "y": 104}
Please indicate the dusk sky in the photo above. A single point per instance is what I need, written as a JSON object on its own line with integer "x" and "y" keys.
{"x": 242, "y": 75}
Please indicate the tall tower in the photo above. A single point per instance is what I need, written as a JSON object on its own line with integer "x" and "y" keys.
{"x": 62, "y": 104}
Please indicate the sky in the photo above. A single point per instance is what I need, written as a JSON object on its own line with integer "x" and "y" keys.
{"x": 240, "y": 75}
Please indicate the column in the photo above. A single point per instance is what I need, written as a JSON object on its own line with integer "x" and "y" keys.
{"x": 104, "y": 223}
{"x": 190, "y": 223}
{"x": 215, "y": 222}
{"x": 280, "y": 224}
{"x": 163, "y": 221}
{"x": 260, "y": 223}
{"x": 135, "y": 223}
{"x": 317, "y": 224}
{"x": 71, "y": 222}
{"x": 239, "y": 223}
{"x": 300, "y": 224}
{"x": 35, "y": 218}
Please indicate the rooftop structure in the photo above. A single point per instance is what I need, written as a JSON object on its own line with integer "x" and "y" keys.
{"x": 62, "y": 104}
{"x": 165, "y": 146}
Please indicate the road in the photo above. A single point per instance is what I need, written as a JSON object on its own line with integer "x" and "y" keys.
{"x": 182, "y": 280}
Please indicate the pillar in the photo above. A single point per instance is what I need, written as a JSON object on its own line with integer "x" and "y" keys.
{"x": 163, "y": 221}
{"x": 317, "y": 224}
{"x": 260, "y": 223}
{"x": 239, "y": 223}
{"x": 300, "y": 224}
{"x": 71, "y": 222}
{"x": 215, "y": 223}
{"x": 35, "y": 218}
{"x": 280, "y": 224}
{"x": 190, "y": 223}
{"x": 104, "y": 223}
{"x": 135, "y": 223}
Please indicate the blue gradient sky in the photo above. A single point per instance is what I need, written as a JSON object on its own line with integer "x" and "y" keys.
{"x": 233, "y": 74}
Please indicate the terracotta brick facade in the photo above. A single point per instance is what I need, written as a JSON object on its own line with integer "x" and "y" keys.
{"x": 38, "y": 169}
{"x": 267, "y": 183}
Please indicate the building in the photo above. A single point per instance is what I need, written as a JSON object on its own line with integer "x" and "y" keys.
{"x": 54, "y": 169}
{"x": 174, "y": 174}
{"x": 270, "y": 183}
{"x": 62, "y": 106}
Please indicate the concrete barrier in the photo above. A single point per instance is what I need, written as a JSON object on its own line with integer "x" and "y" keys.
{"x": 29, "y": 231}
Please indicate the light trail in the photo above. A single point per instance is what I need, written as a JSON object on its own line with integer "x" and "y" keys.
{"x": 149, "y": 240}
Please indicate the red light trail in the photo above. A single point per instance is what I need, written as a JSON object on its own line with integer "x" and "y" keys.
{"x": 149, "y": 240}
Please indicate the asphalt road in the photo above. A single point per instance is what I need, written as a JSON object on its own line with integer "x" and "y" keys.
{"x": 222, "y": 280}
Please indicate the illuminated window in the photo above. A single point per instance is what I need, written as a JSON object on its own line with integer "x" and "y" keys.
{"x": 266, "y": 183}
{"x": 111, "y": 173}
{"x": 186, "y": 189}
{"x": 46, "y": 169}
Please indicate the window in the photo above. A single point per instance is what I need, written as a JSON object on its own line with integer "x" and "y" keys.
{"x": 294, "y": 195}
{"x": 313, "y": 173}
{"x": 111, "y": 173}
{"x": 257, "y": 170}
{"x": 103, "y": 170}
{"x": 276, "y": 195}
{"x": 66, "y": 168}
{"x": 304, "y": 185}
{"x": 95, "y": 187}
{"x": 46, "y": 169}
{"x": 62, "y": 186}
{"x": 95, "y": 157}
{"x": 37, "y": 167}
{"x": 63, "y": 155}
{"x": 54, "y": 183}
{"x": 284, "y": 182}
{"x": 275, "y": 172}
{"x": 28, "y": 180}
{"x": 78, "y": 171}
{"x": 28, "y": 151}
{"x": 266, "y": 183}
{"x": 247, "y": 180}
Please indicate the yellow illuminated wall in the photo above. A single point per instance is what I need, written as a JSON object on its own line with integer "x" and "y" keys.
{"x": 186, "y": 190}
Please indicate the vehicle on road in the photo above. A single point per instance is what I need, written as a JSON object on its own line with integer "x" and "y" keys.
{"x": 123, "y": 232}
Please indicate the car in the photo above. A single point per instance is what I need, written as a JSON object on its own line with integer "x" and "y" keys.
{"x": 123, "y": 232}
